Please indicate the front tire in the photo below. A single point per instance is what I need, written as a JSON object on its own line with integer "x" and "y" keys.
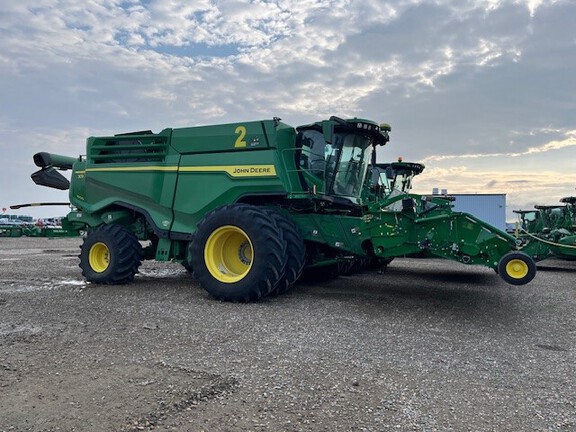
{"x": 110, "y": 254}
{"x": 238, "y": 253}
{"x": 516, "y": 268}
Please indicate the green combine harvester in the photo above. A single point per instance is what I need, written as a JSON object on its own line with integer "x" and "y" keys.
{"x": 247, "y": 206}
{"x": 549, "y": 230}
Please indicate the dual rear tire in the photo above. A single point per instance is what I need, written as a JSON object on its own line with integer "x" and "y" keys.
{"x": 242, "y": 253}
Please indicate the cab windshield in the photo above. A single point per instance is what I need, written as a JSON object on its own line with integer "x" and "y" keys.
{"x": 402, "y": 181}
{"x": 338, "y": 168}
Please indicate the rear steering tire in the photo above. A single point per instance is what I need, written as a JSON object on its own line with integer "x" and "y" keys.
{"x": 238, "y": 253}
{"x": 110, "y": 254}
{"x": 516, "y": 268}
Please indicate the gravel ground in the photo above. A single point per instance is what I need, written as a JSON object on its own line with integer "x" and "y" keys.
{"x": 429, "y": 346}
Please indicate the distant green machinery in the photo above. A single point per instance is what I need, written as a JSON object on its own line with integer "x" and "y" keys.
{"x": 10, "y": 231}
{"x": 25, "y": 226}
{"x": 31, "y": 230}
{"x": 247, "y": 206}
{"x": 549, "y": 230}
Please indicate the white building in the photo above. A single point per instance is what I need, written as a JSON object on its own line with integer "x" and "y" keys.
{"x": 490, "y": 208}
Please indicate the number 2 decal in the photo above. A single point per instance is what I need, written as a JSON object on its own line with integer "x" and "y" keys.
{"x": 241, "y": 131}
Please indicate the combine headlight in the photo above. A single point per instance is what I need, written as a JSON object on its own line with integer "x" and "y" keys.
{"x": 367, "y": 126}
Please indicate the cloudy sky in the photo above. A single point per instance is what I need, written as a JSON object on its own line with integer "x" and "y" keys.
{"x": 481, "y": 91}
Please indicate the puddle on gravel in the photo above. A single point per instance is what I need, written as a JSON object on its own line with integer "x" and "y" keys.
{"x": 19, "y": 331}
{"x": 16, "y": 286}
{"x": 160, "y": 273}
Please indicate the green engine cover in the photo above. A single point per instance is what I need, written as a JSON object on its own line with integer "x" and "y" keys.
{"x": 178, "y": 175}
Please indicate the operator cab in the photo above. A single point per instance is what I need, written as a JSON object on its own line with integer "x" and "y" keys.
{"x": 335, "y": 155}
{"x": 394, "y": 178}
{"x": 529, "y": 220}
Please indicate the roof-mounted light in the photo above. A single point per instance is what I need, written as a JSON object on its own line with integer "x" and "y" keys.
{"x": 367, "y": 126}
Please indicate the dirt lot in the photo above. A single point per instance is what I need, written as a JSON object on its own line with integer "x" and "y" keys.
{"x": 429, "y": 346}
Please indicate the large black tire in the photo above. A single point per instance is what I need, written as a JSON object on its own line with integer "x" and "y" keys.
{"x": 516, "y": 268}
{"x": 238, "y": 253}
{"x": 110, "y": 254}
{"x": 295, "y": 252}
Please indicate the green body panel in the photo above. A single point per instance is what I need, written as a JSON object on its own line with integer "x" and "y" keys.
{"x": 144, "y": 186}
{"x": 177, "y": 176}
{"x": 77, "y": 193}
{"x": 465, "y": 238}
{"x": 345, "y": 234}
{"x": 205, "y": 182}
{"x": 132, "y": 171}
{"x": 236, "y": 137}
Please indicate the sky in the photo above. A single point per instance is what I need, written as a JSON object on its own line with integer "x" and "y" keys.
{"x": 483, "y": 92}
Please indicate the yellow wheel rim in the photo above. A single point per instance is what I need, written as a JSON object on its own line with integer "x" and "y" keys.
{"x": 99, "y": 257}
{"x": 517, "y": 269}
{"x": 228, "y": 254}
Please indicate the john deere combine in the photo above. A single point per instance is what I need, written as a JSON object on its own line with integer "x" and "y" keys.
{"x": 246, "y": 206}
